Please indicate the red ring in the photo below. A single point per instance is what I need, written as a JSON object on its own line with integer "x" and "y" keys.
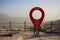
{"x": 36, "y": 8}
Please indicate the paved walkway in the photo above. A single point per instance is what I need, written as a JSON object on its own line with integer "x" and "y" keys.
{"x": 29, "y": 36}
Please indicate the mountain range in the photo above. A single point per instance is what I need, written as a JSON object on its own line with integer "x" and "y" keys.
{"x": 5, "y": 19}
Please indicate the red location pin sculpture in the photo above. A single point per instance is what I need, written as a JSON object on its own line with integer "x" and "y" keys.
{"x": 36, "y": 22}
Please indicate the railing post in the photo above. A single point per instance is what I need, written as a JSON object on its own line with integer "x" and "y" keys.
{"x": 10, "y": 25}
{"x": 25, "y": 26}
{"x": 51, "y": 26}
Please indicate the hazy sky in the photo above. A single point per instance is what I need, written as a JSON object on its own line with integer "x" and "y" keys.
{"x": 21, "y": 8}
